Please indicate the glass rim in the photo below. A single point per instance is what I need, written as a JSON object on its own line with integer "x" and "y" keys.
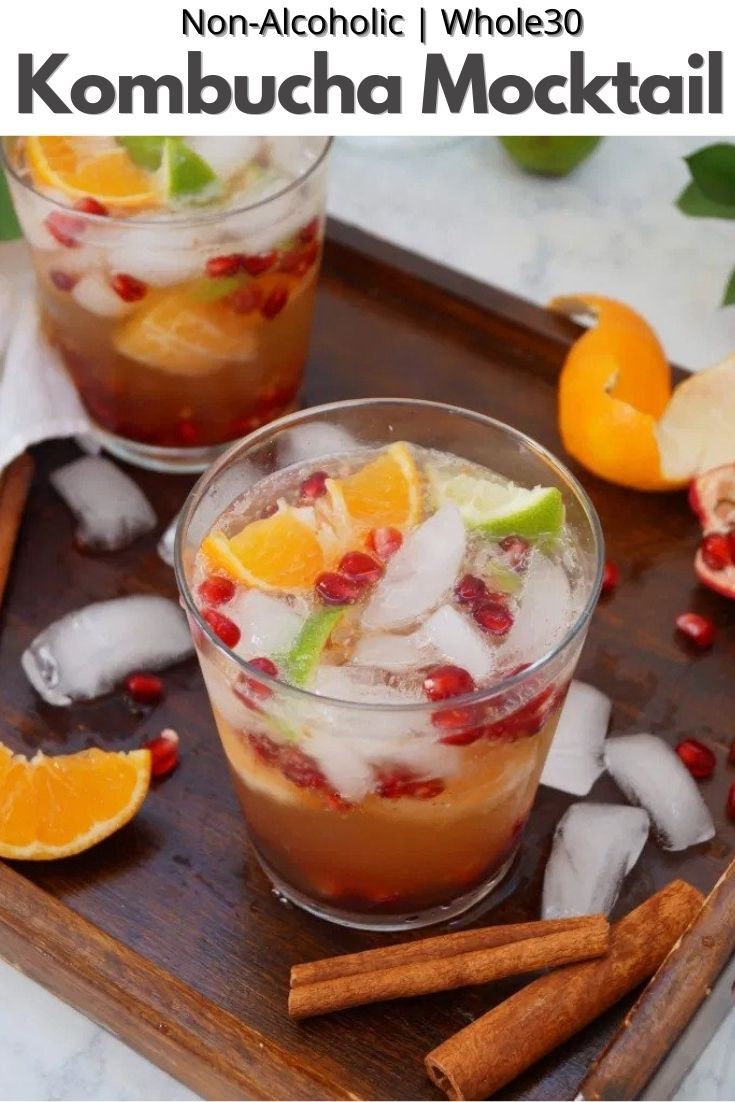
{"x": 202, "y": 219}
{"x": 477, "y": 696}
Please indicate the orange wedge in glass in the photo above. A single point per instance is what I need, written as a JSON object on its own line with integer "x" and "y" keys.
{"x": 386, "y": 491}
{"x": 89, "y": 166}
{"x": 58, "y": 806}
{"x": 280, "y": 552}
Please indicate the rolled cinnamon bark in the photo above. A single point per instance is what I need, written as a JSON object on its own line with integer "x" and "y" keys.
{"x": 460, "y": 970}
{"x": 663, "y": 1010}
{"x": 493, "y": 1050}
{"x": 15, "y": 482}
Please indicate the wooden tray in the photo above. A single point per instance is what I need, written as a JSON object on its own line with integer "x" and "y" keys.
{"x": 167, "y": 933}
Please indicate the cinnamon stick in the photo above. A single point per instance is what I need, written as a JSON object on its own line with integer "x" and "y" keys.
{"x": 15, "y": 482}
{"x": 493, "y": 1050}
{"x": 665, "y": 1007}
{"x": 420, "y": 977}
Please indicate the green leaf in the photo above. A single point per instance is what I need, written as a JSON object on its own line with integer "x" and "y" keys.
{"x": 9, "y": 228}
{"x": 729, "y": 299}
{"x": 147, "y": 152}
{"x": 695, "y": 203}
{"x": 713, "y": 169}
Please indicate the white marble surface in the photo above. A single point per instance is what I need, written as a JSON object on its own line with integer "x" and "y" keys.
{"x": 611, "y": 228}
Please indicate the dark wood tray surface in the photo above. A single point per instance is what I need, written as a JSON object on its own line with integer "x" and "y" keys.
{"x": 204, "y": 991}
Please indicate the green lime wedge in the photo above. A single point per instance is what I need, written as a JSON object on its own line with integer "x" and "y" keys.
{"x": 501, "y": 579}
{"x": 211, "y": 290}
{"x": 187, "y": 175}
{"x": 500, "y": 509}
{"x": 301, "y": 661}
{"x": 146, "y": 152}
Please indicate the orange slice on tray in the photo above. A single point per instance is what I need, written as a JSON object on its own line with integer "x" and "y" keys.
{"x": 89, "y": 166}
{"x": 387, "y": 491}
{"x": 172, "y": 332}
{"x": 55, "y": 807}
{"x": 613, "y": 388}
{"x": 280, "y": 552}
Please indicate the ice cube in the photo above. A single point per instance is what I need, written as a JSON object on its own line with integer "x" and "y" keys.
{"x": 160, "y": 255}
{"x": 89, "y": 651}
{"x": 385, "y": 651}
{"x": 649, "y": 773}
{"x": 294, "y": 156}
{"x": 595, "y": 846}
{"x": 226, "y": 155}
{"x": 94, "y": 293}
{"x": 346, "y": 769}
{"x": 576, "y": 757}
{"x": 451, "y": 635}
{"x": 544, "y": 612}
{"x": 317, "y": 440}
{"x": 421, "y": 573}
{"x": 111, "y": 509}
{"x": 366, "y": 687}
{"x": 268, "y": 626}
{"x": 166, "y": 543}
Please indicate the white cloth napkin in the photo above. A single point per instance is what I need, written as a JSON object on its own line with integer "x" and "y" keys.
{"x": 37, "y": 399}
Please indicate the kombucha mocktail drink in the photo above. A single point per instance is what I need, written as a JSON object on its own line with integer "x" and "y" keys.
{"x": 388, "y": 600}
{"x": 176, "y": 278}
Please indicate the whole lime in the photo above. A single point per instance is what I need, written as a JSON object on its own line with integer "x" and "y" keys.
{"x": 548, "y": 156}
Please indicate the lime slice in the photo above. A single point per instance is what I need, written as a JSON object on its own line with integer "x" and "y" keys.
{"x": 186, "y": 174}
{"x": 212, "y": 290}
{"x": 146, "y": 152}
{"x": 301, "y": 661}
{"x": 501, "y": 579}
{"x": 501, "y": 509}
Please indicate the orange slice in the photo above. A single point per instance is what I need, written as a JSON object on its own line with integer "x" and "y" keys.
{"x": 96, "y": 167}
{"x": 613, "y": 388}
{"x": 387, "y": 491}
{"x": 55, "y": 807}
{"x": 281, "y": 552}
{"x": 172, "y": 332}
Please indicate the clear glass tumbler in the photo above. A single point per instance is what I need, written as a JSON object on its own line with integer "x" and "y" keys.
{"x": 374, "y": 862}
{"x": 183, "y": 328}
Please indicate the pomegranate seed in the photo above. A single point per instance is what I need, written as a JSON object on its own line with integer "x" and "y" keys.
{"x": 300, "y": 769}
{"x": 516, "y": 550}
{"x": 731, "y": 544}
{"x": 248, "y": 689}
{"x": 698, "y": 629}
{"x": 716, "y": 552}
{"x": 384, "y": 542}
{"x": 494, "y": 618}
{"x": 313, "y": 487}
{"x": 63, "y": 281}
{"x": 463, "y": 738}
{"x": 217, "y": 590}
{"x": 308, "y": 232}
{"x": 526, "y": 720}
{"x": 360, "y": 568}
{"x": 222, "y": 626}
{"x": 454, "y": 719}
{"x": 164, "y": 752}
{"x": 245, "y": 299}
{"x": 274, "y": 303}
{"x": 298, "y": 261}
{"x": 470, "y": 590}
{"x": 189, "y": 433}
{"x": 698, "y": 758}
{"x": 144, "y": 688}
{"x": 336, "y": 589}
{"x": 218, "y": 267}
{"x": 610, "y": 577}
{"x": 88, "y": 205}
{"x": 730, "y": 805}
{"x": 65, "y": 228}
{"x": 266, "y": 749}
{"x": 731, "y": 754}
{"x": 128, "y": 288}
{"x": 397, "y": 783}
{"x": 256, "y": 265}
{"x": 445, "y": 681}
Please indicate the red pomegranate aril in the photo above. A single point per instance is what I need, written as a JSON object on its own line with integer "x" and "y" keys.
{"x": 245, "y": 300}
{"x": 360, "y": 568}
{"x": 463, "y": 738}
{"x": 65, "y": 228}
{"x": 298, "y": 261}
{"x": 257, "y": 265}
{"x": 217, "y": 590}
{"x": 222, "y": 626}
{"x": 336, "y": 589}
{"x": 384, "y": 542}
{"x": 730, "y": 805}
{"x": 300, "y": 769}
{"x": 313, "y": 487}
{"x": 716, "y": 550}
{"x": 63, "y": 281}
{"x": 219, "y": 267}
{"x": 455, "y": 719}
{"x": 274, "y": 303}
{"x": 442, "y": 682}
{"x": 699, "y": 630}
{"x": 698, "y": 758}
{"x": 731, "y": 753}
{"x": 144, "y": 688}
{"x": 189, "y": 433}
{"x": 249, "y": 689}
{"x": 470, "y": 590}
{"x": 493, "y": 617}
{"x": 731, "y": 544}
{"x": 395, "y": 784}
{"x": 89, "y": 205}
{"x": 610, "y": 577}
{"x": 128, "y": 288}
{"x": 164, "y": 753}
{"x": 308, "y": 232}
{"x": 516, "y": 550}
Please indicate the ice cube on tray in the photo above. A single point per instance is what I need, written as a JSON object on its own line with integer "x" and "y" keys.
{"x": 111, "y": 509}
{"x": 576, "y": 757}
